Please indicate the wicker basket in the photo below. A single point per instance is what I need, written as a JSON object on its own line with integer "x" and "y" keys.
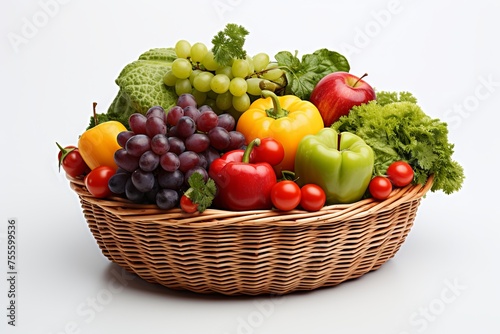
{"x": 253, "y": 252}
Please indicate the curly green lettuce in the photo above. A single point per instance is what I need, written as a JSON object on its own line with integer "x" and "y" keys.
{"x": 397, "y": 129}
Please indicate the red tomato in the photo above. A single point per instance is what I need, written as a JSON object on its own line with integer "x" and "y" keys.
{"x": 313, "y": 197}
{"x": 269, "y": 150}
{"x": 380, "y": 187}
{"x": 97, "y": 181}
{"x": 71, "y": 161}
{"x": 285, "y": 195}
{"x": 187, "y": 205}
{"x": 400, "y": 173}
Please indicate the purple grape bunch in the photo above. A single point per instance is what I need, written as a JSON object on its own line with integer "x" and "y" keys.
{"x": 163, "y": 149}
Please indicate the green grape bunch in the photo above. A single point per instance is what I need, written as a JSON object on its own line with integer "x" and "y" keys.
{"x": 224, "y": 77}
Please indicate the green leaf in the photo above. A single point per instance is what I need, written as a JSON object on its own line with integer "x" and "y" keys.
{"x": 201, "y": 192}
{"x": 331, "y": 61}
{"x": 303, "y": 75}
{"x": 228, "y": 44}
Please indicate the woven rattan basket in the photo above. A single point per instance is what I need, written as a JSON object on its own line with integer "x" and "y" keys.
{"x": 253, "y": 252}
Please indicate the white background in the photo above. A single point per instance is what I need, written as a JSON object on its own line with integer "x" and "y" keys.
{"x": 444, "y": 279}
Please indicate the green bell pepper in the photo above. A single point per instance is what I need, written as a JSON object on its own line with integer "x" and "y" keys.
{"x": 340, "y": 163}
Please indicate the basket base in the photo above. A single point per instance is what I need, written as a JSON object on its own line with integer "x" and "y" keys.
{"x": 251, "y": 254}
{"x": 305, "y": 259}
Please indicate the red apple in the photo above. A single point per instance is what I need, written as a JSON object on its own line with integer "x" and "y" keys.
{"x": 336, "y": 93}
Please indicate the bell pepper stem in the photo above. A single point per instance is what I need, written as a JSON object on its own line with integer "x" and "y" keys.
{"x": 94, "y": 105}
{"x": 248, "y": 150}
{"x": 276, "y": 111}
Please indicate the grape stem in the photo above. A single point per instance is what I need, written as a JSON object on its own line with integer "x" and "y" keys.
{"x": 276, "y": 111}
{"x": 280, "y": 85}
{"x": 259, "y": 74}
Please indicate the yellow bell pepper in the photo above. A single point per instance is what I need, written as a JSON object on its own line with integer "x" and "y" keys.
{"x": 287, "y": 119}
{"x": 98, "y": 145}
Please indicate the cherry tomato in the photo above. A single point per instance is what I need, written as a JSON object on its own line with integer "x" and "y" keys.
{"x": 97, "y": 181}
{"x": 285, "y": 195}
{"x": 400, "y": 173}
{"x": 269, "y": 150}
{"x": 71, "y": 161}
{"x": 380, "y": 187}
{"x": 312, "y": 197}
{"x": 187, "y": 205}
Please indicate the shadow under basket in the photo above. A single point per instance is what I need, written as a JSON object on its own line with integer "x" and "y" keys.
{"x": 251, "y": 252}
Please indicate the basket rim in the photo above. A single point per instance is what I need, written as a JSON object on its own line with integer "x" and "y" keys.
{"x": 132, "y": 212}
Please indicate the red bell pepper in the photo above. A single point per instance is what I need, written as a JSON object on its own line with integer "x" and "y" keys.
{"x": 242, "y": 185}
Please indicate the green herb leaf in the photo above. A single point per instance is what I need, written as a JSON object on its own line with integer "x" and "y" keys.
{"x": 303, "y": 75}
{"x": 201, "y": 192}
{"x": 228, "y": 44}
{"x": 397, "y": 129}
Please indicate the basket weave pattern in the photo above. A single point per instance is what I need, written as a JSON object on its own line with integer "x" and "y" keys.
{"x": 253, "y": 252}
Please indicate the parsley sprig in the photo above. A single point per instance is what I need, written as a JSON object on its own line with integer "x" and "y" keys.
{"x": 201, "y": 192}
{"x": 228, "y": 44}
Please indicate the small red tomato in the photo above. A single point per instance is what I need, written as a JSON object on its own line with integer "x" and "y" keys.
{"x": 71, "y": 161}
{"x": 187, "y": 205}
{"x": 400, "y": 173}
{"x": 269, "y": 150}
{"x": 285, "y": 195}
{"x": 97, "y": 181}
{"x": 313, "y": 197}
{"x": 380, "y": 187}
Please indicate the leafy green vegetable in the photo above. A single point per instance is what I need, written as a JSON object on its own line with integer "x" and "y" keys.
{"x": 397, "y": 129}
{"x": 142, "y": 81}
{"x": 303, "y": 75}
{"x": 384, "y": 98}
{"x": 141, "y": 86}
{"x": 228, "y": 44}
{"x": 201, "y": 192}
